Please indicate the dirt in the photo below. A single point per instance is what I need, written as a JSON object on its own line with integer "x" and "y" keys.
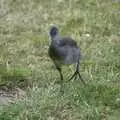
{"x": 7, "y": 97}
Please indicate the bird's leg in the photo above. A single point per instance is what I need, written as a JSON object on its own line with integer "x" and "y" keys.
{"x": 61, "y": 78}
{"x": 73, "y": 76}
{"x": 77, "y": 70}
{"x": 60, "y": 72}
{"x": 77, "y": 73}
{"x": 81, "y": 77}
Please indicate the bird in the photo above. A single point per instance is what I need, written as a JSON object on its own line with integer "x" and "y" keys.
{"x": 64, "y": 51}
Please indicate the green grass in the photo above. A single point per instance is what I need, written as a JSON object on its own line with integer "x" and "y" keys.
{"x": 24, "y": 59}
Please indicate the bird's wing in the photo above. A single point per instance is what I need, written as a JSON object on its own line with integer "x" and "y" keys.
{"x": 62, "y": 48}
{"x": 67, "y": 41}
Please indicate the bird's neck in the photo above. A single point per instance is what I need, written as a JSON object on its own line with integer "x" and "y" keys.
{"x": 55, "y": 37}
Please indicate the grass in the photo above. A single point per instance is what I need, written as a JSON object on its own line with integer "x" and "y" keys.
{"x": 24, "y": 42}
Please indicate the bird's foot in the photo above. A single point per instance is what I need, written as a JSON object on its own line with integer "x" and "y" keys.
{"x": 76, "y": 73}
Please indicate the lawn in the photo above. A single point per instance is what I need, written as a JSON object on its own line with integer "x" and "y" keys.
{"x": 24, "y": 61}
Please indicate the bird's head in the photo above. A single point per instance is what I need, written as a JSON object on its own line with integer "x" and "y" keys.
{"x": 53, "y": 31}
